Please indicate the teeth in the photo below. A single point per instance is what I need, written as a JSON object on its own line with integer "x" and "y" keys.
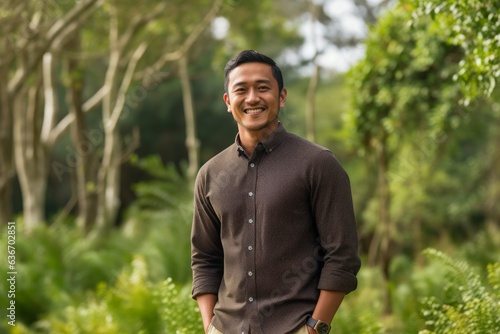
{"x": 253, "y": 111}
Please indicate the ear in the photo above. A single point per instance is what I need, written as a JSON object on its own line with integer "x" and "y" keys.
{"x": 283, "y": 97}
{"x": 227, "y": 102}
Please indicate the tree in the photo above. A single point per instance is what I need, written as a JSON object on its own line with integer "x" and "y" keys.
{"x": 24, "y": 45}
{"x": 403, "y": 87}
{"x": 97, "y": 188}
{"x": 474, "y": 26}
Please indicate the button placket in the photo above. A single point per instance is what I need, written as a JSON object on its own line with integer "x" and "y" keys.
{"x": 251, "y": 254}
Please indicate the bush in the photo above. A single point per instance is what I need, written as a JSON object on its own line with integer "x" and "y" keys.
{"x": 133, "y": 305}
{"x": 57, "y": 265}
{"x": 471, "y": 306}
{"x": 64, "y": 275}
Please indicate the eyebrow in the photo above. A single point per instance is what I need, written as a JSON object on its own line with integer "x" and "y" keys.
{"x": 244, "y": 83}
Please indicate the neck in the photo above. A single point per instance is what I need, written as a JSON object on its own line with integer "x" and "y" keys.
{"x": 249, "y": 139}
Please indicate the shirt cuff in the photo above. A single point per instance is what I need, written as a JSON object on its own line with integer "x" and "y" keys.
{"x": 338, "y": 281}
{"x": 201, "y": 287}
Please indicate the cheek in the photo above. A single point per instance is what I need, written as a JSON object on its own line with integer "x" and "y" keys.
{"x": 234, "y": 102}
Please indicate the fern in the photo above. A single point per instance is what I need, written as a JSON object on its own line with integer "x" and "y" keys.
{"x": 475, "y": 307}
{"x": 133, "y": 305}
{"x": 166, "y": 189}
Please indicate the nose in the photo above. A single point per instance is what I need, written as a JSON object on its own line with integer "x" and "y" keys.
{"x": 252, "y": 96}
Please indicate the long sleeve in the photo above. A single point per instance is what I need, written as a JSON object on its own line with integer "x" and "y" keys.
{"x": 331, "y": 202}
{"x": 206, "y": 247}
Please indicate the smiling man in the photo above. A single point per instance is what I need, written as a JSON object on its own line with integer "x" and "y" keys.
{"x": 274, "y": 239}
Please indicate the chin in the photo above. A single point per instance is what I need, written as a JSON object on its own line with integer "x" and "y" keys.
{"x": 257, "y": 127}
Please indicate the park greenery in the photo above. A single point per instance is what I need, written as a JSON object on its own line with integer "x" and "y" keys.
{"x": 108, "y": 109}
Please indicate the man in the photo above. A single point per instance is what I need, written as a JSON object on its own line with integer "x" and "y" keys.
{"x": 274, "y": 240}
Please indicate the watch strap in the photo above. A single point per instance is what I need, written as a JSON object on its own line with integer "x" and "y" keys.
{"x": 311, "y": 322}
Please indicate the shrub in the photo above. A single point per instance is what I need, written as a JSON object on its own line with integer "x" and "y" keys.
{"x": 56, "y": 265}
{"x": 474, "y": 308}
{"x": 133, "y": 305}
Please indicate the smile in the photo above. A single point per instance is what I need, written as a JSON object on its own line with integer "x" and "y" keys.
{"x": 253, "y": 111}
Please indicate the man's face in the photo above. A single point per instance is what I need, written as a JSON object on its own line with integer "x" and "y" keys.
{"x": 253, "y": 97}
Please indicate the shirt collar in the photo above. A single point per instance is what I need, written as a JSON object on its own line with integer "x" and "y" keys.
{"x": 268, "y": 144}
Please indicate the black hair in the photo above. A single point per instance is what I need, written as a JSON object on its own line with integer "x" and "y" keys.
{"x": 252, "y": 56}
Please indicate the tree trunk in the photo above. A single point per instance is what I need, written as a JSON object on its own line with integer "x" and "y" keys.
{"x": 30, "y": 156}
{"x": 109, "y": 181}
{"x": 22, "y": 57}
{"x": 113, "y": 104}
{"x": 492, "y": 209}
{"x": 379, "y": 246}
{"x": 108, "y": 177}
{"x": 379, "y": 252}
{"x": 6, "y": 144}
{"x": 84, "y": 146}
{"x": 189, "y": 115}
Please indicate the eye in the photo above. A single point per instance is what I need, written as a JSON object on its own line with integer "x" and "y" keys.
{"x": 263, "y": 88}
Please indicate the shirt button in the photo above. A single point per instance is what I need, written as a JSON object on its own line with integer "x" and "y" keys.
{"x": 250, "y": 248}
{"x": 252, "y": 165}
{"x": 250, "y": 273}
{"x": 250, "y": 220}
{"x": 250, "y": 194}
{"x": 250, "y": 299}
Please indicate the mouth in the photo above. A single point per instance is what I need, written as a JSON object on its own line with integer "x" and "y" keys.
{"x": 254, "y": 111}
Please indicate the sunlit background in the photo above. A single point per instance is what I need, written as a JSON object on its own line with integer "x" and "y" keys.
{"x": 108, "y": 109}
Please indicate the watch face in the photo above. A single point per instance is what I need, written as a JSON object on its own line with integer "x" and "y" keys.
{"x": 323, "y": 328}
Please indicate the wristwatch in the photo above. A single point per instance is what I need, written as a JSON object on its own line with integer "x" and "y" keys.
{"x": 319, "y": 326}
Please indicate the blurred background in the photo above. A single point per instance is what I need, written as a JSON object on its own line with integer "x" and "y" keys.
{"x": 108, "y": 108}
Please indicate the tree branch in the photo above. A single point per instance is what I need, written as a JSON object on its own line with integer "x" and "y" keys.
{"x": 53, "y": 32}
{"x": 193, "y": 36}
{"x": 50, "y": 108}
{"x": 127, "y": 79}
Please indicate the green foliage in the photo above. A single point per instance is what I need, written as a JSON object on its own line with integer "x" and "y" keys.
{"x": 165, "y": 203}
{"x": 61, "y": 268}
{"x": 473, "y": 25}
{"x": 263, "y": 25}
{"x": 65, "y": 263}
{"x": 428, "y": 148}
{"x": 361, "y": 310}
{"x": 133, "y": 279}
{"x": 166, "y": 189}
{"x": 137, "y": 296}
{"x": 403, "y": 84}
{"x": 471, "y": 307}
{"x": 133, "y": 305}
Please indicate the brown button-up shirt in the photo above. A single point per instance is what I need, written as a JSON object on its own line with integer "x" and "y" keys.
{"x": 270, "y": 231}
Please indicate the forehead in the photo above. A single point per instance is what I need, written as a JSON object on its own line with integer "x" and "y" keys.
{"x": 250, "y": 73}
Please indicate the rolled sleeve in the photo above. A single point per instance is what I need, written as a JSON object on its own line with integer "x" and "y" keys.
{"x": 207, "y": 261}
{"x": 331, "y": 200}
